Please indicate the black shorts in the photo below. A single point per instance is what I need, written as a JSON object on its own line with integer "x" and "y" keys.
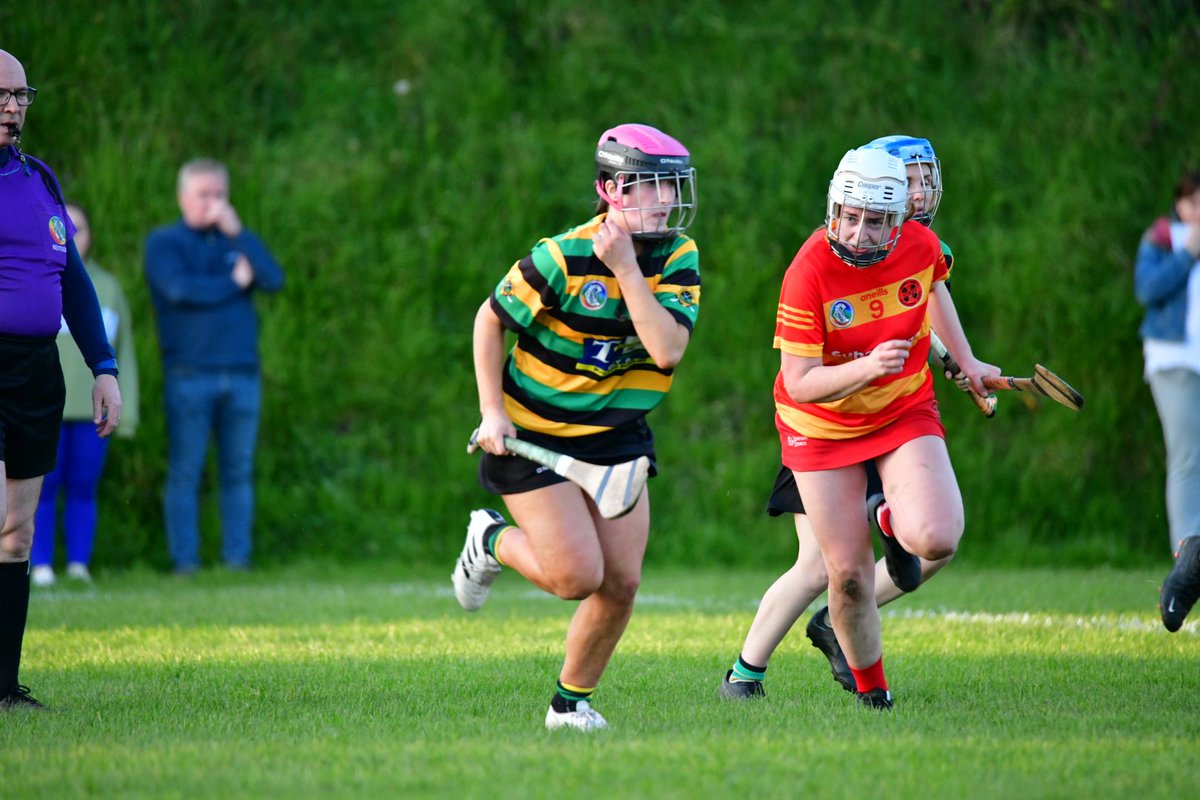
{"x": 514, "y": 474}
{"x": 31, "y": 405}
{"x": 785, "y": 497}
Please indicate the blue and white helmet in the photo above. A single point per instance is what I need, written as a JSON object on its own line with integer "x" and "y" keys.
{"x": 925, "y": 182}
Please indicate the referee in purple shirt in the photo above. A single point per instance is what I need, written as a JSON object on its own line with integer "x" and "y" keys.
{"x": 42, "y": 279}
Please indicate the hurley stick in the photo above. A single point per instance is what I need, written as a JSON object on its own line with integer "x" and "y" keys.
{"x": 1043, "y": 382}
{"x": 985, "y": 404}
{"x": 614, "y": 489}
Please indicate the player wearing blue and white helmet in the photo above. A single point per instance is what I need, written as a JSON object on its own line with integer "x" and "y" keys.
{"x": 924, "y": 172}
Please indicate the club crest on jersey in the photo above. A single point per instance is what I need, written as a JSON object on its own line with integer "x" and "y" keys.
{"x": 506, "y": 288}
{"x": 686, "y": 298}
{"x": 58, "y": 230}
{"x": 593, "y": 295}
{"x": 910, "y": 293}
{"x": 841, "y": 313}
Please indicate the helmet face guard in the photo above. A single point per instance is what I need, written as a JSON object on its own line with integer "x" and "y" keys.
{"x": 634, "y": 156}
{"x": 913, "y": 150}
{"x": 647, "y": 221}
{"x": 871, "y": 186}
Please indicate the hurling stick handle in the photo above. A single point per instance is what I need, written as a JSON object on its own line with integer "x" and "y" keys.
{"x": 987, "y": 405}
{"x": 535, "y": 453}
{"x": 539, "y": 455}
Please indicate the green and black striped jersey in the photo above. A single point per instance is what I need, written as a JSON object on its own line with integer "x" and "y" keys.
{"x": 578, "y": 366}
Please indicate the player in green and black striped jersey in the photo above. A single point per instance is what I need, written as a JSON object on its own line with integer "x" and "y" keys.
{"x": 579, "y": 367}
{"x": 602, "y": 314}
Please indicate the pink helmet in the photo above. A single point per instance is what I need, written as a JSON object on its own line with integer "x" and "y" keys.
{"x": 632, "y": 153}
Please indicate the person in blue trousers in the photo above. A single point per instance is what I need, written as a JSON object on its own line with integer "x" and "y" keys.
{"x": 81, "y": 453}
{"x": 204, "y": 272}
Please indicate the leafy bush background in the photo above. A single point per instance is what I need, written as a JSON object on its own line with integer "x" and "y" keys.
{"x": 399, "y": 156}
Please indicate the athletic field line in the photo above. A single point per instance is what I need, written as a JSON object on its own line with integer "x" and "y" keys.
{"x": 1147, "y": 622}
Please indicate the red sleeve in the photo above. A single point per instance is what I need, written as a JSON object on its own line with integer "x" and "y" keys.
{"x": 799, "y": 329}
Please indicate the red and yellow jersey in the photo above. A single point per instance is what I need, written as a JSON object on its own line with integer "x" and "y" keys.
{"x": 836, "y": 312}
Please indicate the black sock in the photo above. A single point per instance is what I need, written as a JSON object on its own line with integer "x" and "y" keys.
{"x": 566, "y": 698}
{"x": 14, "y": 609}
{"x": 490, "y": 536}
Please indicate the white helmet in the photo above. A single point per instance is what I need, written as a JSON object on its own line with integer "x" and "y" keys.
{"x": 874, "y": 181}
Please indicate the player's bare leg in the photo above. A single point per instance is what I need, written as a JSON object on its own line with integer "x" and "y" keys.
{"x": 781, "y": 605}
{"x": 923, "y": 494}
{"x": 844, "y": 538}
{"x": 601, "y": 618}
{"x": 564, "y": 546}
{"x": 788, "y": 597}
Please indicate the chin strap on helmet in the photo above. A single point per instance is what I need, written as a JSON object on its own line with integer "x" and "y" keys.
{"x": 613, "y": 202}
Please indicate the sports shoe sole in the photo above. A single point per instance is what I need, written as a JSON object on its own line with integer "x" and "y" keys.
{"x": 903, "y": 567}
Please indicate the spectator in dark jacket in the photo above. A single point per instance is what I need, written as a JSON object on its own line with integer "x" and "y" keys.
{"x": 203, "y": 272}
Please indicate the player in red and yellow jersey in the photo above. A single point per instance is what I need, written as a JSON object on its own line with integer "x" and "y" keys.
{"x": 838, "y": 313}
{"x": 853, "y": 325}
{"x": 898, "y": 571}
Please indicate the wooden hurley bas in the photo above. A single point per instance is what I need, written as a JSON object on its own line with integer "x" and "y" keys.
{"x": 1043, "y": 382}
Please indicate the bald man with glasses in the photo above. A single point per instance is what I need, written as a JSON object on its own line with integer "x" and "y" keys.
{"x": 42, "y": 282}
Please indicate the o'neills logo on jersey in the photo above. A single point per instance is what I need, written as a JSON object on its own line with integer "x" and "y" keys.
{"x": 58, "y": 230}
{"x": 593, "y": 295}
{"x": 841, "y": 313}
{"x": 910, "y": 293}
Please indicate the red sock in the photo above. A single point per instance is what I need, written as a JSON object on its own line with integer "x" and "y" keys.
{"x": 883, "y": 515}
{"x": 870, "y": 678}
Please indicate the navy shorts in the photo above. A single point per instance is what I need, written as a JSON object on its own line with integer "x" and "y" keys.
{"x": 785, "y": 497}
{"x": 513, "y": 474}
{"x": 31, "y": 405}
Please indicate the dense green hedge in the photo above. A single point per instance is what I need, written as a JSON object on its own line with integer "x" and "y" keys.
{"x": 1061, "y": 127}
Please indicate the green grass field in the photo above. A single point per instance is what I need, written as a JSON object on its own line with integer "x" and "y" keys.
{"x": 365, "y": 682}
